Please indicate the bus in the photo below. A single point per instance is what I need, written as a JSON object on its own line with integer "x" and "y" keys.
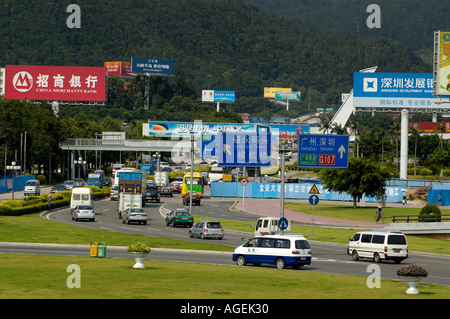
{"x": 197, "y": 180}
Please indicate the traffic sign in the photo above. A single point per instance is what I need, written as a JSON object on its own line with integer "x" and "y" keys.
{"x": 314, "y": 190}
{"x": 323, "y": 151}
{"x": 314, "y": 200}
{"x": 244, "y": 149}
{"x": 244, "y": 182}
{"x": 283, "y": 223}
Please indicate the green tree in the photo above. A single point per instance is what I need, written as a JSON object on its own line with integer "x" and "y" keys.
{"x": 360, "y": 178}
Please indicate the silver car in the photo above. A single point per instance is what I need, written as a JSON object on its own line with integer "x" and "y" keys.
{"x": 32, "y": 187}
{"x": 83, "y": 212}
{"x": 207, "y": 229}
{"x": 134, "y": 215}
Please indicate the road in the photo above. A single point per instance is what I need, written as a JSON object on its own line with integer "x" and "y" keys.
{"x": 327, "y": 257}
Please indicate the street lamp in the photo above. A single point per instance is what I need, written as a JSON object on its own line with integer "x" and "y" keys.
{"x": 81, "y": 163}
{"x": 14, "y": 168}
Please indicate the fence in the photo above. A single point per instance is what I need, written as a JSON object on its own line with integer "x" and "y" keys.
{"x": 19, "y": 183}
{"x": 420, "y": 218}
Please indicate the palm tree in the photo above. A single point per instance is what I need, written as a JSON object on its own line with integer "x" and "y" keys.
{"x": 325, "y": 123}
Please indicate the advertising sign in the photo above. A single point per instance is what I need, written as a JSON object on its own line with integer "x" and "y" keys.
{"x": 157, "y": 66}
{"x": 394, "y": 90}
{"x": 118, "y": 67}
{"x": 442, "y": 63}
{"x": 288, "y": 96}
{"x": 55, "y": 83}
{"x": 323, "y": 151}
{"x": 269, "y": 92}
{"x": 218, "y": 96}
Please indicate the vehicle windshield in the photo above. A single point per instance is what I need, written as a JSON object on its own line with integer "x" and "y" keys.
{"x": 302, "y": 244}
{"x": 31, "y": 184}
{"x": 85, "y": 207}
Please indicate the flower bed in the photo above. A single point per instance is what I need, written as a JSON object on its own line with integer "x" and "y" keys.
{"x": 412, "y": 271}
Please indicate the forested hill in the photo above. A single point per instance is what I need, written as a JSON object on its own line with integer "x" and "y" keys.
{"x": 223, "y": 45}
{"x": 411, "y": 23}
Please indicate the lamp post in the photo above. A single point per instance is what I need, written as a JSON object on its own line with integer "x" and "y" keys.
{"x": 81, "y": 163}
{"x": 14, "y": 168}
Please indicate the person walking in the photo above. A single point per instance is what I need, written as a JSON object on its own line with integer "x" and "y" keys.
{"x": 378, "y": 214}
{"x": 49, "y": 201}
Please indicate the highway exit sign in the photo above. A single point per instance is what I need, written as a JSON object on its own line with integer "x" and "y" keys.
{"x": 323, "y": 151}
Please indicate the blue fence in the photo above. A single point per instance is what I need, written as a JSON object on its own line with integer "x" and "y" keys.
{"x": 19, "y": 183}
{"x": 293, "y": 191}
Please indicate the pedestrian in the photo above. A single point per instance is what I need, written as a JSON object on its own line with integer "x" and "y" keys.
{"x": 404, "y": 197}
{"x": 379, "y": 213}
{"x": 49, "y": 201}
{"x": 440, "y": 199}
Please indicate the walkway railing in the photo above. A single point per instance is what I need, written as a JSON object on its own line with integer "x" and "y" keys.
{"x": 420, "y": 218}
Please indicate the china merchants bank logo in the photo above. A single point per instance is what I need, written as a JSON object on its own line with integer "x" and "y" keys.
{"x": 370, "y": 85}
{"x": 23, "y": 81}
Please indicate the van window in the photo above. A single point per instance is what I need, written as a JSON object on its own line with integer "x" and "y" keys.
{"x": 365, "y": 238}
{"x": 266, "y": 222}
{"x": 76, "y": 196}
{"x": 267, "y": 243}
{"x": 302, "y": 244}
{"x": 84, "y": 197}
{"x": 283, "y": 243}
{"x": 396, "y": 240}
{"x": 378, "y": 239}
{"x": 252, "y": 242}
{"x": 356, "y": 237}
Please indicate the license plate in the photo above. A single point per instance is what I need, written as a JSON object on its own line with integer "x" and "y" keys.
{"x": 397, "y": 250}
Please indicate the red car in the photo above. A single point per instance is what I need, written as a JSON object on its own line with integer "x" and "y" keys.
{"x": 175, "y": 188}
{"x": 195, "y": 199}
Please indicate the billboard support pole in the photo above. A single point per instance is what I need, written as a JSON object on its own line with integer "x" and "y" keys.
{"x": 404, "y": 145}
{"x": 218, "y": 106}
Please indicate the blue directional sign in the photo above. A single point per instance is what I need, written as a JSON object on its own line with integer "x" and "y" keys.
{"x": 314, "y": 200}
{"x": 323, "y": 151}
{"x": 283, "y": 223}
{"x": 244, "y": 149}
{"x": 209, "y": 145}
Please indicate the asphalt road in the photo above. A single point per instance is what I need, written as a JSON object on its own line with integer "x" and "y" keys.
{"x": 326, "y": 257}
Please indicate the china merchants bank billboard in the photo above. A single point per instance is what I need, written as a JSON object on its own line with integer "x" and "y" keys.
{"x": 55, "y": 83}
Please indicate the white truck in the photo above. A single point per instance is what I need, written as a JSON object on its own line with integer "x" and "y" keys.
{"x": 161, "y": 178}
{"x": 128, "y": 200}
{"x": 269, "y": 226}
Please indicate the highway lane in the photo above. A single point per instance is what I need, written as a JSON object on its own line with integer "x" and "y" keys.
{"x": 327, "y": 257}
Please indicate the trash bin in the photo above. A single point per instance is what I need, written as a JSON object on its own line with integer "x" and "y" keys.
{"x": 98, "y": 250}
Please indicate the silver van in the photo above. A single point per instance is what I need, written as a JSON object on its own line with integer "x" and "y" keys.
{"x": 32, "y": 187}
{"x": 378, "y": 245}
{"x": 207, "y": 229}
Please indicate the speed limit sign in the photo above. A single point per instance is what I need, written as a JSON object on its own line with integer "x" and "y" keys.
{"x": 244, "y": 182}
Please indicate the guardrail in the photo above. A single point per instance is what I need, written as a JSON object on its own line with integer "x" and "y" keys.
{"x": 420, "y": 218}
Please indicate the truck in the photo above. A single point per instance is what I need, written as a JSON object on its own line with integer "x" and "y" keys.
{"x": 148, "y": 168}
{"x": 162, "y": 178}
{"x": 96, "y": 179}
{"x": 269, "y": 226}
{"x": 128, "y": 200}
{"x": 81, "y": 196}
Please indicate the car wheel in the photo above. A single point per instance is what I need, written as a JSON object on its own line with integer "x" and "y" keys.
{"x": 355, "y": 255}
{"x": 201, "y": 236}
{"x": 190, "y": 235}
{"x": 240, "y": 261}
{"x": 280, "y": 263}
{"x": 376, "y": 258}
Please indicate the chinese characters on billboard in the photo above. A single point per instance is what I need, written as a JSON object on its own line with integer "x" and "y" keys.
{"x": 62, "y": 83}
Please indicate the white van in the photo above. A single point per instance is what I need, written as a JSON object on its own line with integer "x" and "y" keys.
{"x": 81, "y": 196}
{"x": 378, "y": 245}
{"x": 280, "y": 250}
{"x": 269, "y": 226}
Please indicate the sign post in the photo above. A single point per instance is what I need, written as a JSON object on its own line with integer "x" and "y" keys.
{"x": 243, "y": 183}
{"x": 313, "y": 200}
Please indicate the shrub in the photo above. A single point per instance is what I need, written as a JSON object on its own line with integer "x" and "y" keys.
{"x": 425, "y": 171}
{"x": 427, "y": 211}
{"x": 41, "y": 179}
{"x": 412, "y": 271}
{"x": 446, "y": 172}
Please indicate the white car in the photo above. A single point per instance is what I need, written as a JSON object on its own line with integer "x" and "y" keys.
{"x": 83, "y": 212}
{"x": 378, "y": 245}
{"x": 280, "y": 250}
{"x": 134, "y": 215}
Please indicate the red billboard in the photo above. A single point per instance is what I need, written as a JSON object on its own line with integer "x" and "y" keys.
{"x": 55, "y": 83}
{"x": 118, "y": 68}
{"x": 430, "y": 127}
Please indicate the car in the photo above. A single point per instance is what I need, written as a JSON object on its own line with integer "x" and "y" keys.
{"x": 32, "y": 187}
{"x": 166, "y": 190}
{"x": 205, "y": 175}
{"x": 176, "y": 188}
{"x": 151, "y": 183}
{"x": 163, "y": 165}
{"x": 378, "y": 245}
{"x": 79, "y": 182}
{"x": 195, "y": 198}
{"x": 134, "y": 215}
{"x": 114, "y": 192}
{"x": 178, "y": 168}
{"x": 69, "y": 184}
{"x": 58, "y": 188}
{"x": 107, "y": 181}
{"x": 180, "y": 217}
{"x": 280, "y": 250}
{"x": 83, "y": 212}
{"x": 166, "y": 169}
{"x": 207, "y": 229}
{"x": 152, "y": 193}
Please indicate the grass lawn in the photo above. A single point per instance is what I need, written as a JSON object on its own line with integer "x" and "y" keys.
{"x": 115, "y": 278}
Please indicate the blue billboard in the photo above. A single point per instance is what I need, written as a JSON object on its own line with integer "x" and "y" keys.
{"x": 394, "y": 90}
{"x": 224, "y": 96}
{"x": 244, "y": 149}
{"x": 156, "y": 66}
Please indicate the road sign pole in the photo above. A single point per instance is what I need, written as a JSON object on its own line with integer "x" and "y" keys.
{"x": 282, "y": 152}
{"x": 312, "y": 235}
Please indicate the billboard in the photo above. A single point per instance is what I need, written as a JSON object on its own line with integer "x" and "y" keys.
{"x": 394, "y": 90}
{"x": 218, "y": 96}
{"x": 288, "y": 96}
{"x": 154, "y": 66}
{"x": 269, "y": 92}
{"x": 118, "y": 67}
{"x": 441, "y": 63}
{"x": 60, "y": 83}
{"x": 430, "y": 127}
